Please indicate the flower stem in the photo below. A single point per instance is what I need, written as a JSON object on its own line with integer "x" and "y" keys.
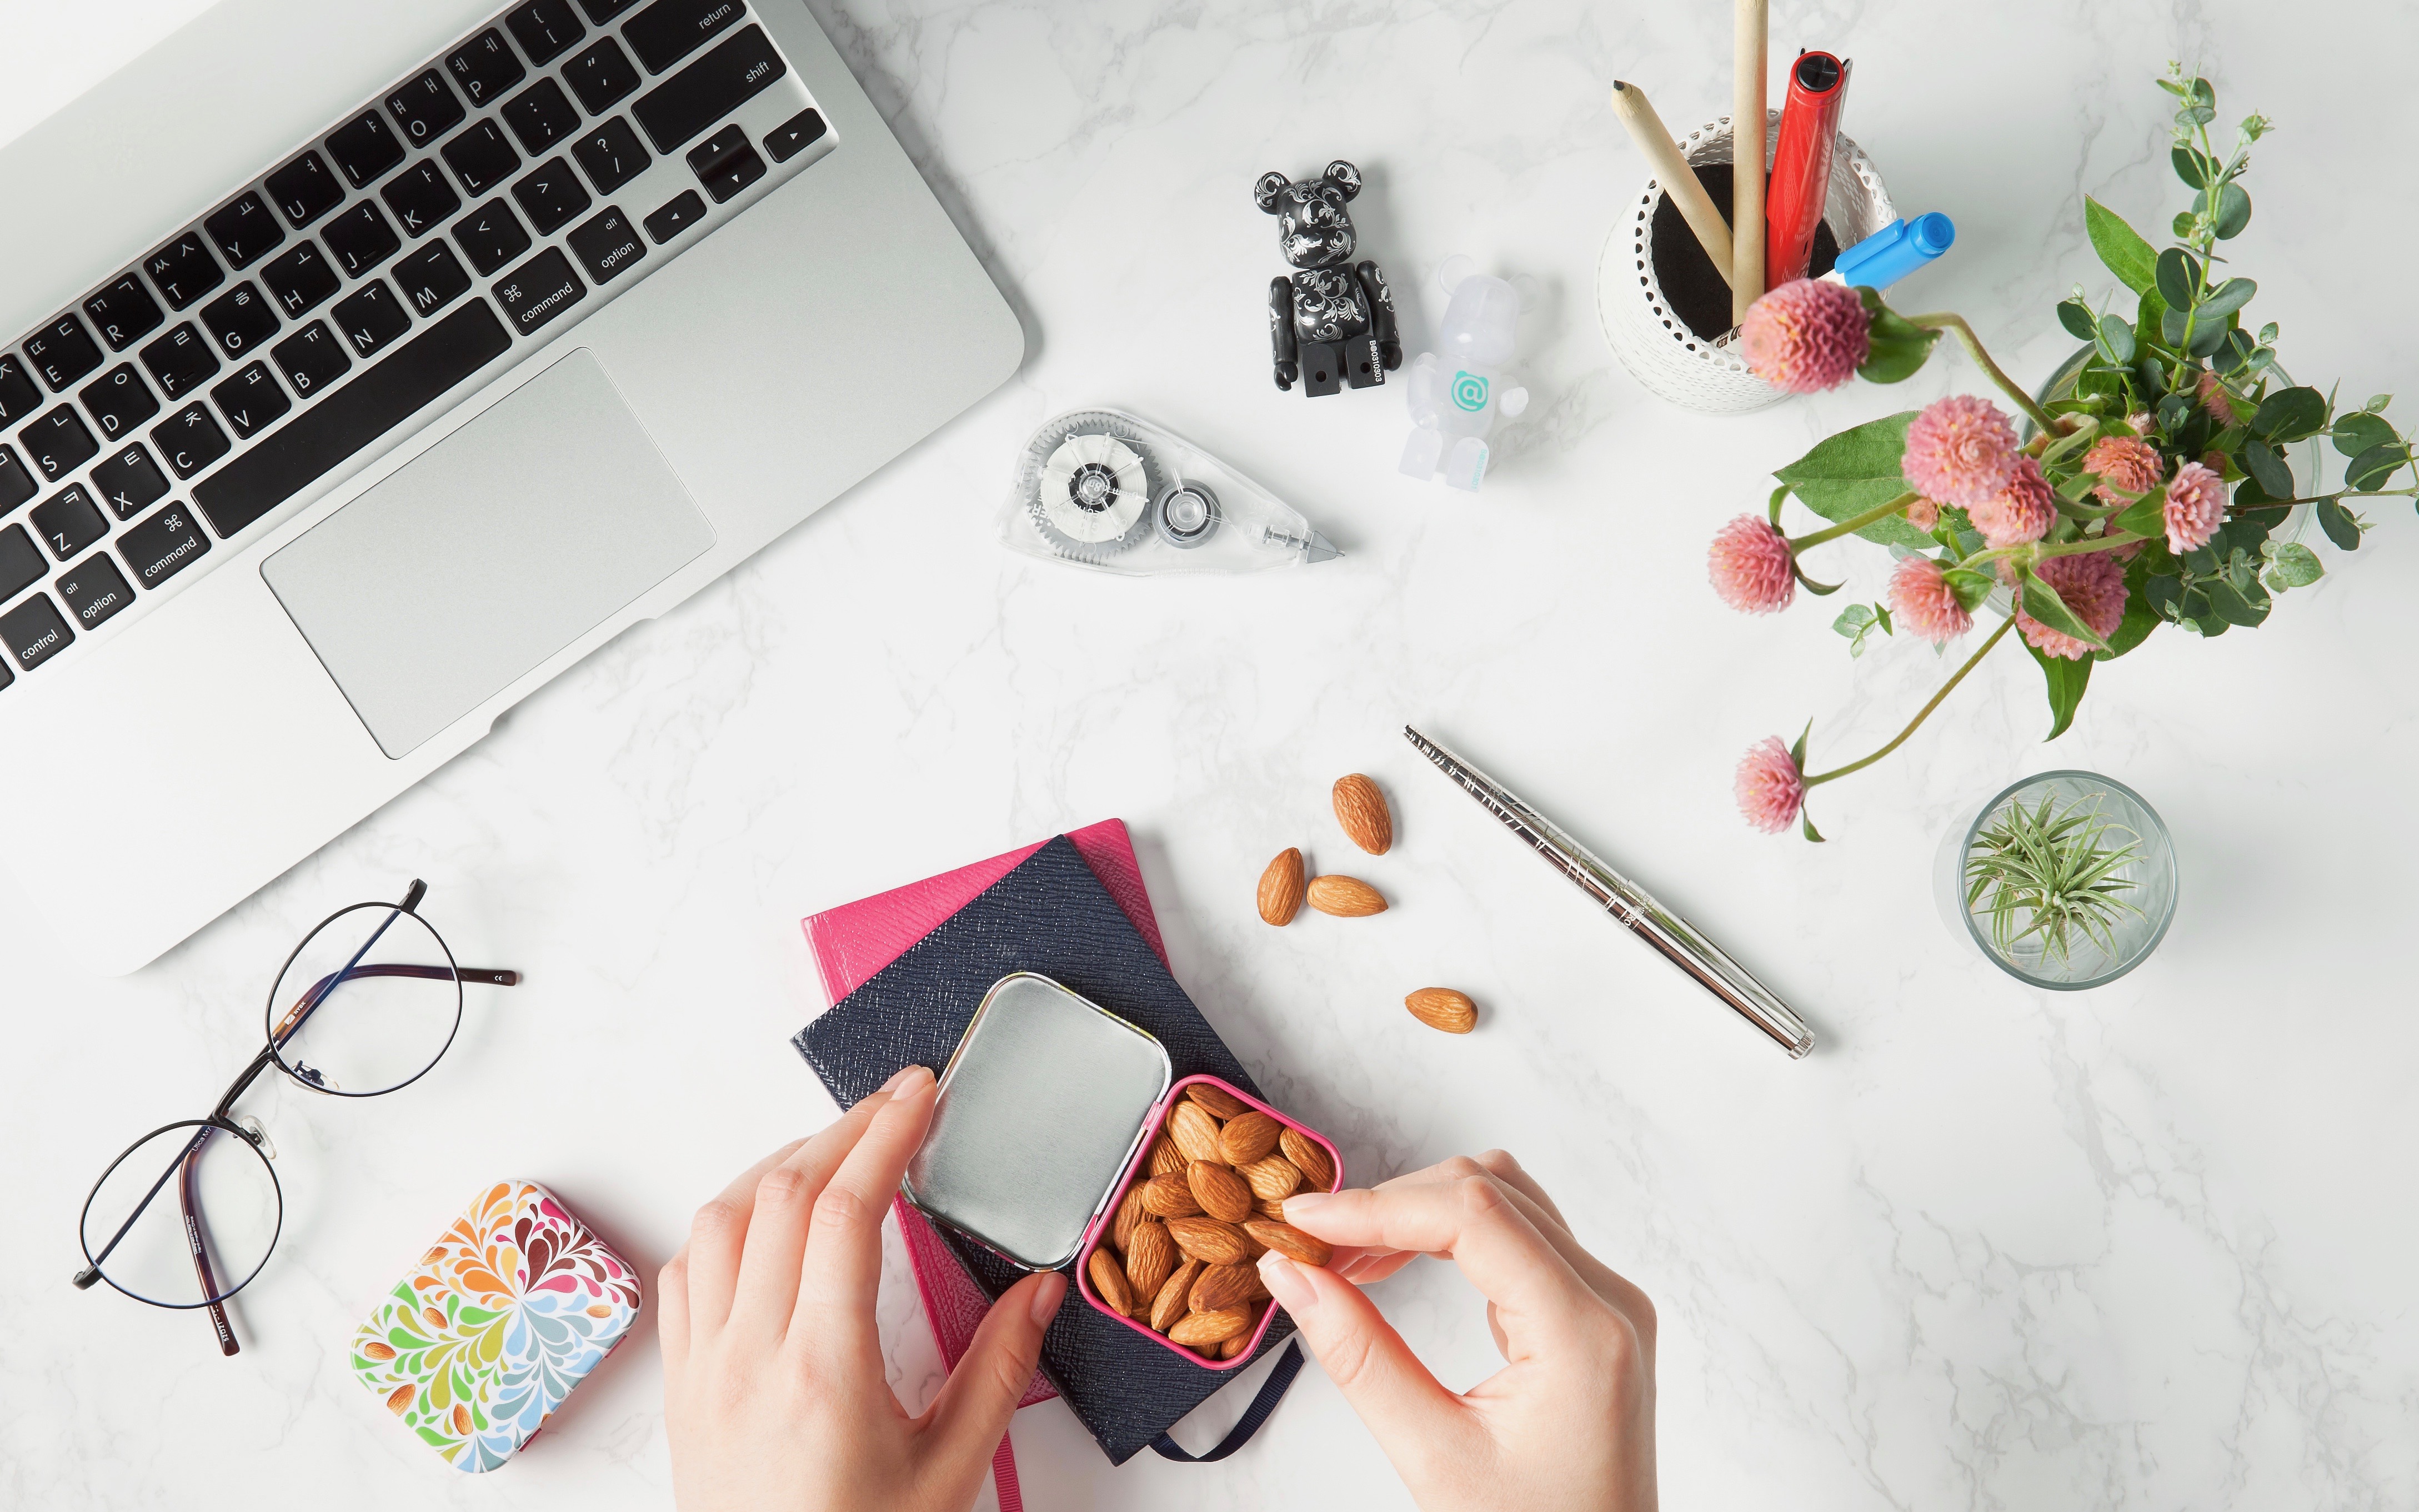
{"x": 1946, "y": 688}
{"x": 2320, "y": 499}
{"x": 1949, "y": 320}
{"x": 1855, "y": 522}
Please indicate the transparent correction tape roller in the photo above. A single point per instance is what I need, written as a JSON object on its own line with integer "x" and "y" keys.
{"x": 1104, "y": 489}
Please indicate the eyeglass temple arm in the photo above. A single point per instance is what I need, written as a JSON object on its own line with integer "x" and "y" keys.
{"x": 318, "y": 992}
{"x": 194, "y": 1241}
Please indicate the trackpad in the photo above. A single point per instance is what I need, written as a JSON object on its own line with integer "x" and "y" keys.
{"x": 491, "y": 552}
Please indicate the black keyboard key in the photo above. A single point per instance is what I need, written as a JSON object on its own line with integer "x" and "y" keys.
{"x": 480, "y": 157}
{"x": 190, "y": 440}
{"x": 312, "y": 358}
{"x": 426, "y": 109}
{"x": 299, "y": 453}
{"x": 250, "y": 400}
{"x": 491, "y": 236}
{"x": 726, "y": 162}
{"x": 240, "y": 319}
{"x": 686, "y": 209}
{"x": 59, "y": 443}
{"x": 244, "y": 230}
{"x": 603, "y": 11}
{"x": 370, "y": 318}
{"x": 601, "y": 75}
{"x": 34, "y": 633}
{"x": 551, "y": 196}
{"x": 540, "y": 115}
{"x": 669, "y": 30}
{"x": 304, "y": 190}
{"x": 300, "y": 280}
{"x": 129, "y": 482}
{"x": 94, "y": 590}
{"x": 738, "y": 70}
{"x": 360, "y": 238}
{"x": 608, "y": 246}
{"x": 19, "y": 395}
{"x": 545, "y": 29}
{"x": 22, "y": 565}
{"x": 119, "y": 400}
{"x": 421, "y": 198}
{"x": 184, "y": 271}
{"x": 430, "y": 279}
{"x": 163, "y": 545}
{"x": 123, "y": 312}
{"x": 62, "y": 352}
{"x": 182, "y": 361}
{"x": 483, "y": 67}
{"x": 365, "y": 149}
{"x": 68, "y": 521}
{"x": 538, "y": 290}
{"x": 797, "y": 135}
{"x": 17, "y": 483}
{"x": 612, "y": 155}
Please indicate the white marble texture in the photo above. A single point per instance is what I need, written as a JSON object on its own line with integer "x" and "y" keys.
{"x": 1986, "y": 1248}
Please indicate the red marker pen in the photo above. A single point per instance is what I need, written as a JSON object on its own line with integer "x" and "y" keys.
{"x": 1801, "y": 165}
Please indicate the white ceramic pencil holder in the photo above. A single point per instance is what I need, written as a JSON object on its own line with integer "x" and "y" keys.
{"x": 1655, "y": 345}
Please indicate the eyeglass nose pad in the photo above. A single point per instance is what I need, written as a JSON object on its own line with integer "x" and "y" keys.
{"x": 258, "y": 1135}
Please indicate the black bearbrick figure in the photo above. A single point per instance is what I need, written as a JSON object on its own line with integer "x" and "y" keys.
{"x": 1332, "y": 323}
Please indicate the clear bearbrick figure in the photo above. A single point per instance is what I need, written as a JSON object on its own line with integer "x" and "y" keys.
{"x": 1455, "y": 394}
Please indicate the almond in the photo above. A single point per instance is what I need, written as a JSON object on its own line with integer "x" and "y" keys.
{"x": 1248, "y": 1138}
{"x": 1287, "y": 1240}
{"x": 1174, "y": 1295}
{"x": 377, "y": 1350}
{"x": 1194, "y": 1131}
{"x": 1272, "y": 1179}
{"x": 1345, "y": 897}
{"x": 1235, "y": 1346}
{"x": 1197, "y": 1329}
{"x": 1110, "y": 1282}
{"x": 1310, "y": 1157}
{"x": 1221, "y": 1103}
{"x": 1130, "y": 1212}
{"x": 1221, "y": 1286}
{"x": 1281, "y": 888}
{"x": 1211, "y": 1241}
{"x": 1150, "y": 1262}
{"x": 1220, "y": 1193}
{"x": 1166, "y": 1157}
{"x": 1273, "y": 1211}
{"x": 1169, "y": 1197}
{"x": 1441, "y": 1008}
{"x": 1361, "y": 809}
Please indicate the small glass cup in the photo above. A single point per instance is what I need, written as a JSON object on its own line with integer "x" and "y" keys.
{"x": 2088, "y": 961}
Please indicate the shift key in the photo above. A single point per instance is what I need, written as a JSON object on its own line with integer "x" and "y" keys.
{"x": 708, "y": 89}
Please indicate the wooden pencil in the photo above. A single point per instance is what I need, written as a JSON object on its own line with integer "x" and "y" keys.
{"x": 1746, "y": 155}
{"x": 1672, "y": 172}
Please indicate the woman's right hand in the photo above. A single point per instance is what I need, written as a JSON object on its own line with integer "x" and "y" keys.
{"x": 1568, "y": 1422}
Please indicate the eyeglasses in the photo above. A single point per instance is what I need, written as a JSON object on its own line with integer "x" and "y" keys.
{"x": 366, "y": 1012}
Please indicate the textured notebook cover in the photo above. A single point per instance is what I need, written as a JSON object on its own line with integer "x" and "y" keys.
{"x": 1049, "y": 915}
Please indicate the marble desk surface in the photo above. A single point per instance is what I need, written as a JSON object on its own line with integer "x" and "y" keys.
{"x": 1987, "y": 1247}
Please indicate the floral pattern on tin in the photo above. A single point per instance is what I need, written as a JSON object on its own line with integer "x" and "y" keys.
{"x": 502, "y": 1317}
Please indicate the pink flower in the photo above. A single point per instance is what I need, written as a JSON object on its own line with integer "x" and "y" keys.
{"x": 2196, "y": 507}
{"x": 1749, "y": 565}
{"x": 1806, "y": 336}
{"x": 2126, "y": 465}
{"x": 1960, "y": 451}
{"x": 2022, "y": 512}
{"x": 1923, "y": 514}
{"x": 2093, "y": 586}
{"x": 1770, "y": 788}
{"x": 2216, "y": 400}
{"x": 1920, "y": 595}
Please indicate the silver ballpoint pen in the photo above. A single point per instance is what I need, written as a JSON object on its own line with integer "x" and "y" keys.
{"x": 1676, "y": 937}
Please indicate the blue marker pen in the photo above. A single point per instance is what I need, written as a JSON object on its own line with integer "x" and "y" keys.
{"x": 1893, "y": 252}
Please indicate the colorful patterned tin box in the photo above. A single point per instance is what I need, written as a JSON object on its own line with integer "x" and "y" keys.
{"x": 499, "y": 1322}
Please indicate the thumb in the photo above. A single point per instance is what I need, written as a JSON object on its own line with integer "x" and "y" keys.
{"x": 1411, "y": 1417}
{"x": 972, "y": 1411}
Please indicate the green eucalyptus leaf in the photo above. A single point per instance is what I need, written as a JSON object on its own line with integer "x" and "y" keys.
{"x": 2115, "y": 339}
{"x": 2075, "y": 317}
{"x": 2194, "y": 169}
{"x": 2173, "y": 412}
{"x": 2377, "y": 403}
{"x": 2359, "y": 430}
{"x": 2225, "y": 299}
{"x": 2066, "y": 682}
{"x": 2183, "y": 225}
{"x": 2289, "y": 414}
{"x": 2375, "y": 468}
{"x": 2260, "y": 460}
{"x": 2165, "y": 594}
{"x": 2232, "y": 605}
{"x": 2233, "y": 211}
{"x": 2178, "y": 278}
{"x": 2208, "y": 334}
{"x": 2041, "y": 602}
{"x": 2119, "y": 246}
{"x": 2339, "y": 523}
{"x": 2204, "y": 94}
{"x": 2172, "y": 325}
{"x": 1856, "y": 470}
{"x": 2295, "y": 565}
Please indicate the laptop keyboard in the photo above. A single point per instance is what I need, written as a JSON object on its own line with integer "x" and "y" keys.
{"x": 498, "y": 194}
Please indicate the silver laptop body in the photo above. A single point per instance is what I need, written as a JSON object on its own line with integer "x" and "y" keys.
{"x": 689, "y": 289}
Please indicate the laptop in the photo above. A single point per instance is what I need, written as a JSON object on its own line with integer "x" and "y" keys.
{"x": 357, "y": 376}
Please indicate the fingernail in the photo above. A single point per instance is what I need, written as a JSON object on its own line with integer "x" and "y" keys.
{"x": 1303, "y": 1204}
{"x": 905, "y": 1077}
{"x": 1288, "y": 1285}
{"x": 1047, "y": 1296}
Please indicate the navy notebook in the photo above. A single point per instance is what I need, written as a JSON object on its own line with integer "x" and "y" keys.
{"x": 1051, "y": 916}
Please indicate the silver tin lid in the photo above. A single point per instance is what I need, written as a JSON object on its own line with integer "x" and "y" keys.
{"x": 1040, "y": 1107}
